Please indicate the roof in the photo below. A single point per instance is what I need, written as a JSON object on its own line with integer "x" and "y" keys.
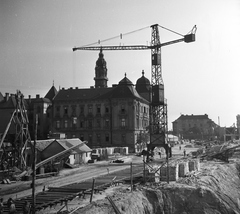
{"x": 124, "y": 89}
{"x": 80, "y": 94}
{"x": 42, "y": 144}
{"x": 39, "y": 100}
{"x": 68, "y": 143}
{"x": 193, "y": 117}
{"x": 1, "y": 97}
{"x": 65, "y": 143}
{"x": 51, "y": 93}
{"x": 10, "y": 103}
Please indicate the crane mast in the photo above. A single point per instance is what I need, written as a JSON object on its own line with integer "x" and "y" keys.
{"x": 158, "y": 103}
{"x": 158, "y": 106}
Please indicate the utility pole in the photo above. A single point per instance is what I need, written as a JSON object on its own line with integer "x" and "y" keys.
{"x": 34, "y": 168}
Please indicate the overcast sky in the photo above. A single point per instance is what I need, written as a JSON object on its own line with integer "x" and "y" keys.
{"x": 37, "y": 37}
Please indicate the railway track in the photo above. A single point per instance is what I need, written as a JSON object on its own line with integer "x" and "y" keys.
{"x": 63, "y": 194}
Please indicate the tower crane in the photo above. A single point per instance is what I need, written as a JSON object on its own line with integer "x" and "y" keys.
{"x": 158, "y": 104}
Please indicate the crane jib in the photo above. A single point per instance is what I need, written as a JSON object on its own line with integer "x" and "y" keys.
{"x": 187, "y": 38}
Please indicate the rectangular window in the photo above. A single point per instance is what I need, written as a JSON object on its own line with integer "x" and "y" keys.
{"x": 106, "y": 109}
{"x": 123, "y": 122}
{"x": 81, "y": 109}
{"x": 98, "y": 109}
{"x": 58, "y": 124}
{"x": 65, "y": 123}
{"x": 123, "y": 108}
{"x": 65, "y": 110}
{"x": 123, "y": 138}
{"x": 89, "y": 123}
{"x": 98, "y": 123}
{"x": 57, "y": 109}
{"x": 98, "y": 138}
{"x": 90, "y": 109}
{"x": 138, "y": 123}
{"x": 38, "y": 109}
{"x": 107, "y": 123}
{"x": 107, "y": 137}
{"x": 81, "y": 123}
{"x": 73, "y": 110}
{"x": 74, "y": 120}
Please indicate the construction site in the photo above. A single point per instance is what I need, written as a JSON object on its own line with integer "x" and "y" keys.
{"x": 170, "y": 179}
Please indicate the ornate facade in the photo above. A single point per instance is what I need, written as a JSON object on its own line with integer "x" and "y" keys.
{"x": 103, "y": 116}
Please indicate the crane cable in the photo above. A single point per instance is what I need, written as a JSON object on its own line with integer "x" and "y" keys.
{"x": 121, "y": 35}
{"x": 171, "y": 30}
{"x": 115, "y": 37}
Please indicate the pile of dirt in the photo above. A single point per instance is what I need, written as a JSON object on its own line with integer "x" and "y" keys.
{"x": 215, "y": 189}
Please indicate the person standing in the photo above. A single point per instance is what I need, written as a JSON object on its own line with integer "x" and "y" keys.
{"x": 26, "y": 207}
{"x": 1, "y": 206}
{"x": 12, "y": 208}
{"x": 184, "y": 152}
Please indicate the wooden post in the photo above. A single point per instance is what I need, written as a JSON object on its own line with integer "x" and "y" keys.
{"x": 93, "y": 184}
{"x": 144, "y": 168}
{"x": 131, "y": 177}
{"x": 168, "y": 165}
{"x": 34, "y": 168}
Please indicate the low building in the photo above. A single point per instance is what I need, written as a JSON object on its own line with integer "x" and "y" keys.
{"x": 76, "y": 152}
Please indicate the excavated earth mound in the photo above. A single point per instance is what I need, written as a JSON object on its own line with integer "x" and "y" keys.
{"x": 215, "y": 189}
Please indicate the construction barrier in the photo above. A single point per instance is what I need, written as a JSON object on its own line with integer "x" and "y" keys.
{"x": 173, "y": 173}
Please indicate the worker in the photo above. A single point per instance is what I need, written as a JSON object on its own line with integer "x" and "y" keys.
{"x": 1, "y": 206}
{"x": 26, "y": 207}
{"x": 12, "y": 207}
{"x": 184, "y": 152}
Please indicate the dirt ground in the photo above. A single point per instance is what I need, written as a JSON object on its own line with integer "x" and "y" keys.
{"x": 215, "y": 188}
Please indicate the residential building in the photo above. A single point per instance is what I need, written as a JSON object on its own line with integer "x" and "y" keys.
{"x": 195, "y": 127}
{"x": 34, "y": 106}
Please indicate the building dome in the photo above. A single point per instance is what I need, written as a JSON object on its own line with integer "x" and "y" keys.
{"x": 143, "y": 84}
{"x": 125, "y": 81}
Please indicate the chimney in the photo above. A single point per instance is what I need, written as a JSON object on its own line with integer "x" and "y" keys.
{"x": 37, "y": 96}
{"x": 29, "y": 98}
{"x": 6, "y": 96}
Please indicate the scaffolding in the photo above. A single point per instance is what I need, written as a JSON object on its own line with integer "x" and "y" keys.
{"x": 13, "y": 153}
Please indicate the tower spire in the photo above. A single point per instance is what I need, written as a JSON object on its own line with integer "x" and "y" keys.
{"x": 101, "y": 72}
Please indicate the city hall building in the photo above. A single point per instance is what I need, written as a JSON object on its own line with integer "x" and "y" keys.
{"x": 101, "y": 115}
